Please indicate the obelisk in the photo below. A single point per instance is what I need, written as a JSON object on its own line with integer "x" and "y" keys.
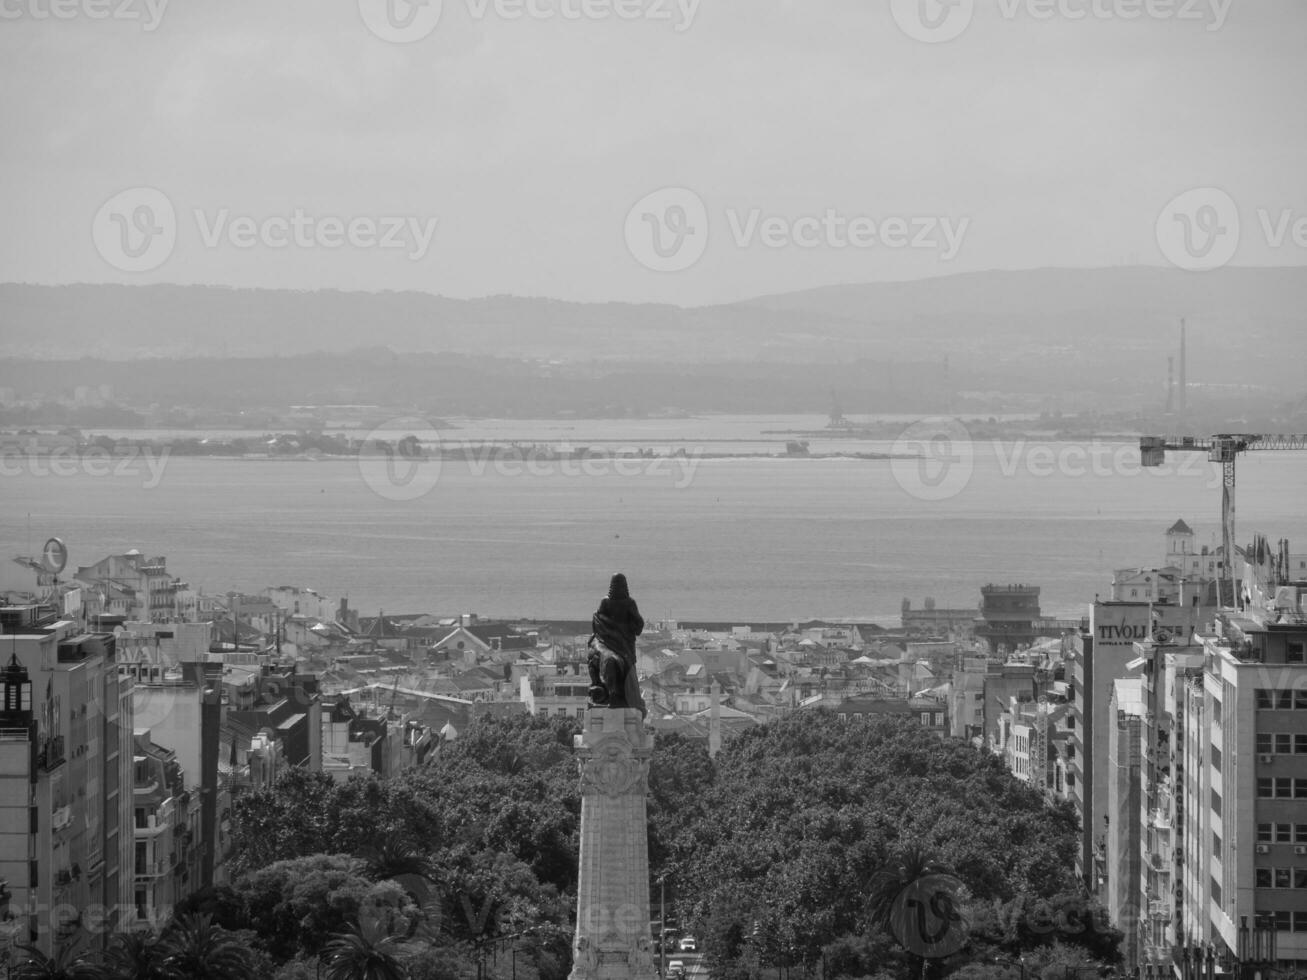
{"x": 612, "y": 894}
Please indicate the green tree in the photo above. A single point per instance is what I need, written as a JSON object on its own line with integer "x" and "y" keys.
{"x": 67, "y": 963}
{"x": 195, "y": 948}
{"x": 135, "y": 956}
{"x": 364, "y": 952}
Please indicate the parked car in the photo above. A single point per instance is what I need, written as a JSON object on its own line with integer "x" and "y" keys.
{"x": 676, "y": 968}
{"x": 689, "y": 945}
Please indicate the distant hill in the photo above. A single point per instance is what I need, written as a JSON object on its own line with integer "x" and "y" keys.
{"x": 1107, "y": 332}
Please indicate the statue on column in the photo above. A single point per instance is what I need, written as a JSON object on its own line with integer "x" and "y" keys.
{"x": 615, "y": 625}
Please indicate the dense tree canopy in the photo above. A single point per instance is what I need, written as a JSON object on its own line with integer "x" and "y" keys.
{"x": 788, "y": 849}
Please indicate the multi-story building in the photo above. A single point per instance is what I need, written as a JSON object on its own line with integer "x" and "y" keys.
{"x": 1124, "y": 762}
{"x": 1243, "y": 788}
{"x": 1096, "y": 659}
{"x": 1168, "y": 667}
{"x": 355, "y": 744}
{"x": 1007, "y": 616}
{"x": 66, "y": 842}
{"x": 137, "y": 588}
{"x": 181, "y": 708}
{"x": 561, "y": 689}
{"x": 167, "y": 862}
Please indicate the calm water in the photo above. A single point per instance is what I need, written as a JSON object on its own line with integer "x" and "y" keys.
{"x": 723, "y": 539}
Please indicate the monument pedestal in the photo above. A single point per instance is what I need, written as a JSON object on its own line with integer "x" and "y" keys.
{"x": 612, "y": 894}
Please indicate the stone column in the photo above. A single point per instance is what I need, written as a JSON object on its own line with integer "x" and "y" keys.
{"x": 612, "y": 895}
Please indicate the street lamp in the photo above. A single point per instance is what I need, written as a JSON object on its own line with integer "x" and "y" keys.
{"x": 1019, "y": 963}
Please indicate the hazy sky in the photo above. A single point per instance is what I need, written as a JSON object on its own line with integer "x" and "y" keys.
{"x": 285, "y": 142}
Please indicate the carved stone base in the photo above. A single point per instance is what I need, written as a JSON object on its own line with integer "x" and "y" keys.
{"x": 612, "y": 904}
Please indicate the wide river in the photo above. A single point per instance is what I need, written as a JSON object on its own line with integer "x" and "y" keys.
{"x": 699, "y": 538}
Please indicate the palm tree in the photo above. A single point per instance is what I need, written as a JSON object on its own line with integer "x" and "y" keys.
{"x": 364, "y": 953}
{"x": 135, "y": 956}
{"x": 392, "y": 857}
{"x": 194, "y": 948}
{"x": 905, "y": 866}
{"x": 913, "y": 898}
{"x": 67, "y": 963}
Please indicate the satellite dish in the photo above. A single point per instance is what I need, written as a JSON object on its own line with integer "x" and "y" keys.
{"x": 54, "y": 556}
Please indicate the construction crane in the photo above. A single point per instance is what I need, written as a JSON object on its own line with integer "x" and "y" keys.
{"x": 1223, "y": 449}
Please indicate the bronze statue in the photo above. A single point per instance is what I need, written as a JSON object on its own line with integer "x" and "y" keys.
{"x": 616, "y": 624}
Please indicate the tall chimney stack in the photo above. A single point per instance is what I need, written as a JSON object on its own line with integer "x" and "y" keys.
{"x": 1184, "y": 372}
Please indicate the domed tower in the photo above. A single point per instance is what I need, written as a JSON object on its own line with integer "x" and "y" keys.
{"x": 1179, "y": 543}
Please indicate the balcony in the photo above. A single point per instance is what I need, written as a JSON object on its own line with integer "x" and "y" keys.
{"x": 152, "y": 869}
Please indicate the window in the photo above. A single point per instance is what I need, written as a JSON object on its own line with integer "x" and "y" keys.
{"x": 1300, "y": 700}
{"x": 1263, "y": 878}
{"x": 1265, "y": 699}
{"x": 1216, "y": 711}
{"x": 1216, "y": 754}
{"x": 843, "y": 716}
{"x": 1300, "y": 922}
{"x": 1283, "y": 788}
{"x": 1300, "y": 743}
{"x": 1300, "y": 833}
{"x": 1264, "y": 832}
{"x": 925, "y": 717}
{"x": 939, "y": 717}
{"x": 1216, "y": 847}
{"x": 1283, "y": 833}
{"x": 1216, "y": 891}
{"x": 1283, "y": 920}
{"x": 1282, "y": 878}
{"x": 1299, "y": 877}
{"x": 1216, "y": 801}
{"x": 1265, "y": 743}
{"x": 1293, "y": 653}
{"x": 1284, "y": 742}
{"x": 1266, "y": 789}
{"x": 1300, "y": 789}
{"x": 1284, "y": 700}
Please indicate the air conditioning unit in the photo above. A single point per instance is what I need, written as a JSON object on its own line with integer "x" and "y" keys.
{"x": 1266, "y": 758}
{"x": 1300, "y": 849}
{"x": 1263, "y": 848}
